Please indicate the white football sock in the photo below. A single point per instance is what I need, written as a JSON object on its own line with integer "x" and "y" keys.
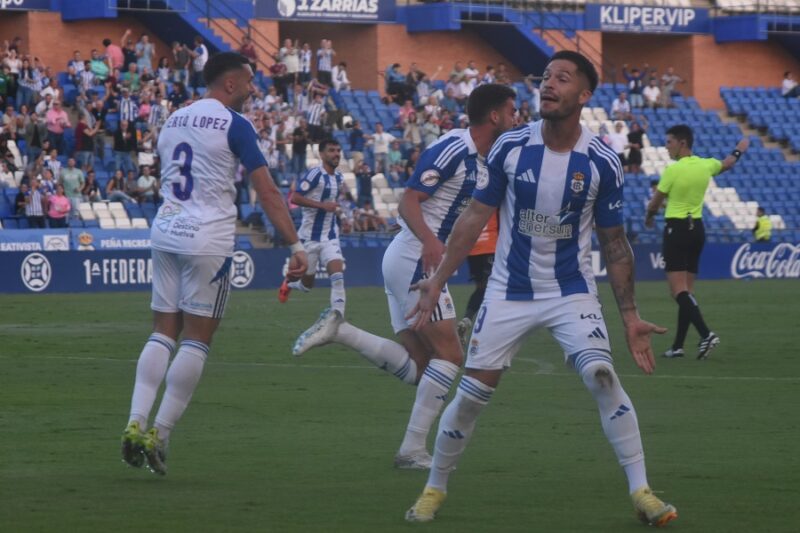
{"x": 337, "y": 292}
{"x": 383, "y": 353}
{"x": 150, "y": 371}
{"x": 182, "y": 378}
{"x": 456, "y": 427}
{"x": 432, "y": 392}
{"x": 298, "y": 284}
{"x": 619, "y": 421}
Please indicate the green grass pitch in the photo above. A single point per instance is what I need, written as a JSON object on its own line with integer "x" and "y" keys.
{"x": 273, "y": 443}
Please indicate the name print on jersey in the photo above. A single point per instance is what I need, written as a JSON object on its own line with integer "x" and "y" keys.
{"x": 209, "y": 123}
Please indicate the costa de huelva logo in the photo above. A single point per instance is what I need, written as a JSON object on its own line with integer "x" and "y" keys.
{"x": 36, "y": 272}
{"x": 242, "y": 269}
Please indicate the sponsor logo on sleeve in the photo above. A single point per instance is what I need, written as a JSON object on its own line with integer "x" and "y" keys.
{"x": 429, "y": 178}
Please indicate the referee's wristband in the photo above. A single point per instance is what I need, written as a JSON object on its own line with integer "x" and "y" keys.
{"x": 297, "y": 247}
{"x": 736, "y": 153}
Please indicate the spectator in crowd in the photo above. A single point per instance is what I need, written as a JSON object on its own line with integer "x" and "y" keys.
{"x": 524, "y": 114}
{"x": 35, "y": 205}
{"x": 6, "y": 82}
{"x": 84, "y": 141}
{"x": 73, "y": 181}
{"x": 412, "y": 133}
{"x": 406, "y": 109}
{"x": 652, "y": 94}
{"x": 53, "y": 90}
{"x": 163, "y": 71}
{"x": 113, "y": 54}
{"x": 449, "y": 102}
{"x": 618, "y": 142}
{"x": 50, "y": 172}
{"x": 340, "y": 80}
{"x": 363, "y": 184}
{"x": 44, "y": 105}
{"x": 789, "y": 87}
{"x": 411, "y": 163}
{"x": 621, "y": 108}
{"x": 144, "y": 53}
{"x": 357, "y": 141}
{"x": 289, "y": 55}
{"x": 380, "y": 148}
{"x": 395, "y": 155}
{"x": 179, "y": 96}
{"x": 635, "y": 79}
{"x": 248, "y": 50}
{"x": 395, "y": 177}
{"x": 635, "y": 144}
{"x": 6, "y": 176}
{"x": 316, "y": 116}
{"x": 430, "y": 130}
{"x": 131, "y": 78}
{"x": 21, "y": 200}
{"x": 305, "y": 63}
{"x": 115, "y": 188}
{"x": 668, "y": 82}
{"x": 147, "y": 186}
{"x": 300, "y": 140}
{"x": 199, "y": 58}
{"x": 325, "y": 56}
{"x": 763, "y": 228}
{"x": 128, "y": 51}
{"x": 124, "y": 146}
{"x": 58, "y": 208}
{"x": 414, "y": 76}
{"x": 396, "y": 87}
{"x": 182, "y": 61}
{"x": 91, "y": 189}
{"x": 57, "y": 121}
{"x": 369, "y": 219}
{"x": 132, "y": 186}
{"x": 86, "y": 79}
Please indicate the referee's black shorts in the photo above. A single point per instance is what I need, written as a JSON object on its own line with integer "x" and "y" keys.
{"x": 683, "y": 244}
{"x": 480, "y": 267}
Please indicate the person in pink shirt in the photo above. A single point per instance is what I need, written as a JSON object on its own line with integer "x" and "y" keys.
{"x": 57, "y": 120}
{"x": 58, "y": 208}
{"x": 114, "y": 55}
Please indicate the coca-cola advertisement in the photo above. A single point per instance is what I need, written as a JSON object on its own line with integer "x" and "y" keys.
{"x": 766, "y": 261}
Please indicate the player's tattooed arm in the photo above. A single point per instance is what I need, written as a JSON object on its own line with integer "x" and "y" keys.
{"x": 620, "y": 266}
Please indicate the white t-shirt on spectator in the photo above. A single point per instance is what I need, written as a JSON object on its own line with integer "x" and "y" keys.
{"x": 200, "y": 61}
{"x": 51, "y": 91}
{"x": 340, "y": 80}
{"x": 651, "y": 93}
{"x": 620, "y": 107}
{"x": 471, "y": 76}
{"x": 42, "y": 107}
{"x": 382, "y": 142}
{"x": 787, "y": 85}
{"x": 618, "y": 141}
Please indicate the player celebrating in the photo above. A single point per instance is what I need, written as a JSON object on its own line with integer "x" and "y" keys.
{"x": 200, "y": 148}
{"x": 552, "y": 181}
{"x": 317, "y": 193}
{"x": 438, "y": 191}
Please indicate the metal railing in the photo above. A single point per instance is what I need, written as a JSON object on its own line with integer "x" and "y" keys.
{"x": 175, "y": 6}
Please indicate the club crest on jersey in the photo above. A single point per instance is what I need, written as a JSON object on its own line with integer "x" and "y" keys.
{"x": 577, "y": 183}
{"x": 304, "y": 186}
{"x": 429, "y": 178}
{"x": 482, "y": 180}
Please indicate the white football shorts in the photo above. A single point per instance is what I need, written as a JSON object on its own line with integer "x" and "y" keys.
{"x": 575, "y": 321}
{"x": 401, "y": 262}
{"x": 320, "y": 253}
{"x": 195, "y": 284}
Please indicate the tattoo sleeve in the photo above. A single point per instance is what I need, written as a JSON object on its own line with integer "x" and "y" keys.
{"x": 619, "y": 263}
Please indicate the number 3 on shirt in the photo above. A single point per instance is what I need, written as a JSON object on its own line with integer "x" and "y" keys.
{"x": 183, "y": 191}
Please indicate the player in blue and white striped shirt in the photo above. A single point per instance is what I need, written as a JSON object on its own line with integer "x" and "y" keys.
{"x": 318, "y": 193}
{"x": 552, "y": 181}
{"x": 439, "y": 190}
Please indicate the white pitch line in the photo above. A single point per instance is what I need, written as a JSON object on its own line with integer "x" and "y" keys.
{"x": 545, "y": 369}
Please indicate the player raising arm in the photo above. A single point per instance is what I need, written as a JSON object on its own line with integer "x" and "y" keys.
{"x": 200, "y": 148}
{"x": 552, "y": 181}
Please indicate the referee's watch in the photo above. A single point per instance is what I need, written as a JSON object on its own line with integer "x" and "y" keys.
{"x": 736, "y": 153}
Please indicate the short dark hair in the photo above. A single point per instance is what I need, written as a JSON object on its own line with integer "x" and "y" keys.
{"x": 485, "y": 99}
{"x": 682, "y": 132}
{"x": 106, "y": 42}
{"x": 328, "y": 142}
{"x": 585, "y": 66}
{"x": 222, "y": 63}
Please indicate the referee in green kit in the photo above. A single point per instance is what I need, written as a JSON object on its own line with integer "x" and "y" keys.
{"x": 684, "y": 183}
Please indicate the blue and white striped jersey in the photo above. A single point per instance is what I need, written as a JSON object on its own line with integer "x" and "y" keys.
{"x": 447, "y": 171}
{"x": 548, "y": 203}
{"x": 318, "y": 224}
{"x": 200, "y": 149}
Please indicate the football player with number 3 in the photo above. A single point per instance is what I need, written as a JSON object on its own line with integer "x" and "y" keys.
{"x": 200, "y": 148}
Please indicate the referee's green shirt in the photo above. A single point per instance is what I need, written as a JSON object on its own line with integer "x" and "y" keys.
{"x": 685, "y": 183}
